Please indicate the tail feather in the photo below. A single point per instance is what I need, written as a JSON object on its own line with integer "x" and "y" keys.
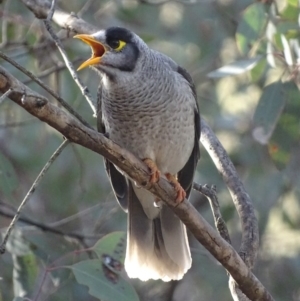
{"x": 158, "y": 248}
{"x": 175, "y": 237}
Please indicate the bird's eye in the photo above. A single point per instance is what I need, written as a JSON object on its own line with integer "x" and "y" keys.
{"x": 117, "y": 45}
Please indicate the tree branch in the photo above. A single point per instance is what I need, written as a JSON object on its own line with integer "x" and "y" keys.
{"x": 75, "y": 131}
{"x": 30, "y": 192}
{"x": 44, "y": 86}
{"x": 250, "y": 237}
{"x": 41, "y": 8}
{"x": 84, "y": 89}
{"x": 44, "y": 227}
{"x": 211, "y": 195}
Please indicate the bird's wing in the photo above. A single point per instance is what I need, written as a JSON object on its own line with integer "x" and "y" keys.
{"x": 118, "y": 182}
{"x": 186, "y": 174}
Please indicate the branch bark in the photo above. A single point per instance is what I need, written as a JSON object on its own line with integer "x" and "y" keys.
{"x": 250, "y": 237}
{"x": 76, "y": 132}
{"x": 65, "y": 20}
{"x": 241, "y": 199}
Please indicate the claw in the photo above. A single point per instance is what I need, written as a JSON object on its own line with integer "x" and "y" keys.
{"x": 181, "y": 194}
{"x": 154, "y": 172}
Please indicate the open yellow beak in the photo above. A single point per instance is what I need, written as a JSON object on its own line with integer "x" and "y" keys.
{"x": 98, "y": 50}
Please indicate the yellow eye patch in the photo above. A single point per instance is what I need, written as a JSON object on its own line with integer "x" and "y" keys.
{"x": 116, "y": 44}
{"x": 120, "y": 46}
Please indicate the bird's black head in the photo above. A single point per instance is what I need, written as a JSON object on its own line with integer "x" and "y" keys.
{"x": 115, "y": 34}
{"x": 114, "y": 49}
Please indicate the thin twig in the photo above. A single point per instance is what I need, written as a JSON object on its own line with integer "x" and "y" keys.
{"x": 210, "y": 193}
{"x": 6, "y": 94}
{"x": 50, "y": 91}
{"x": 84, "y": 89}
{"x": 4, "y": 25}
{"x": 17, "y": 124}
{"x": 51, "y": 11}
{"x": 31, "y": 49}
{"x": 59, "y": 67}
{"x": 75, "y": 216}
{"x": 30, "y": 192}
{"x": 48, "y": 228}
{"x": 85, "y": 8}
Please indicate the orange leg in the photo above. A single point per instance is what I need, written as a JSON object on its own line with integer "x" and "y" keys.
{"x": 154, "y": 172}
{"x": 181, "y": 194}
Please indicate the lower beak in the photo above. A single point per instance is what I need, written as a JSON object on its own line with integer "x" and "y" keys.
{"x": 98, "y": 50}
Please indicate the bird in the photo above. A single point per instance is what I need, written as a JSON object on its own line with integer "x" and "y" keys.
{"x": 147, "y": 104}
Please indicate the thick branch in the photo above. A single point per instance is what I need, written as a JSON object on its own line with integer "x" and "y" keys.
{"x": 250, "y": 236}
{"x": 41, "y": 8}
{"x": 73, "y": 130}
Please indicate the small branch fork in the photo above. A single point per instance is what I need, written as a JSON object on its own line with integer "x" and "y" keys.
{"x": 211, "y": 194}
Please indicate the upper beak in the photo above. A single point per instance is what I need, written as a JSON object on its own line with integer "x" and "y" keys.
{"x": 98, "y": 50}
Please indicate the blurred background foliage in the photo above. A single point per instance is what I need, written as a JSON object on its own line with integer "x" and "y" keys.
{"x": 244, "y": 58}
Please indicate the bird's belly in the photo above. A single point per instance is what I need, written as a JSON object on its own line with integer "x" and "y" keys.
{"x": 168, "y": 143}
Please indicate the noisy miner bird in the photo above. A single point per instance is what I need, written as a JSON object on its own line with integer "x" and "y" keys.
{"x": 147, "y": 104}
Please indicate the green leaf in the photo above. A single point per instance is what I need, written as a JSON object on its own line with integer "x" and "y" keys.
{"x": 8, "y": 177}
{"x": 103, "y": 283}
{"x": 286, "y": 27}
{"x": 25, "y": 271}
{"x": 48, "y": 248}
{"x": 112, "y": 244}
{"x": 286, "y": 134}
{"x": 251, "y": 27}
{"x": 289, "y": 30}
{"x": 277, "y": 127}
{"x": 291, "y": 11}
{"x": 235, "y": 68}
{"x": 268, "y": 111}
{"x": 102, "y": 276}
{"x": 258, "y": 71}
{"x": 25, "y": 266}
{"x": 285, "y": 30}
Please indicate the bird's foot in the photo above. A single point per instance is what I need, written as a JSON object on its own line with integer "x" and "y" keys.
{"x": 154, "y": 172}
{"x": 181, "y": 194}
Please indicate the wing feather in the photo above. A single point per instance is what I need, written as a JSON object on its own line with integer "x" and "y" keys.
{"x": 186, "y": 174}
{"x": 119, "y": 182}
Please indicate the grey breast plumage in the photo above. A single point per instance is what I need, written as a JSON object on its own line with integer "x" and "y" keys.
{"x": 147, "y": 104}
